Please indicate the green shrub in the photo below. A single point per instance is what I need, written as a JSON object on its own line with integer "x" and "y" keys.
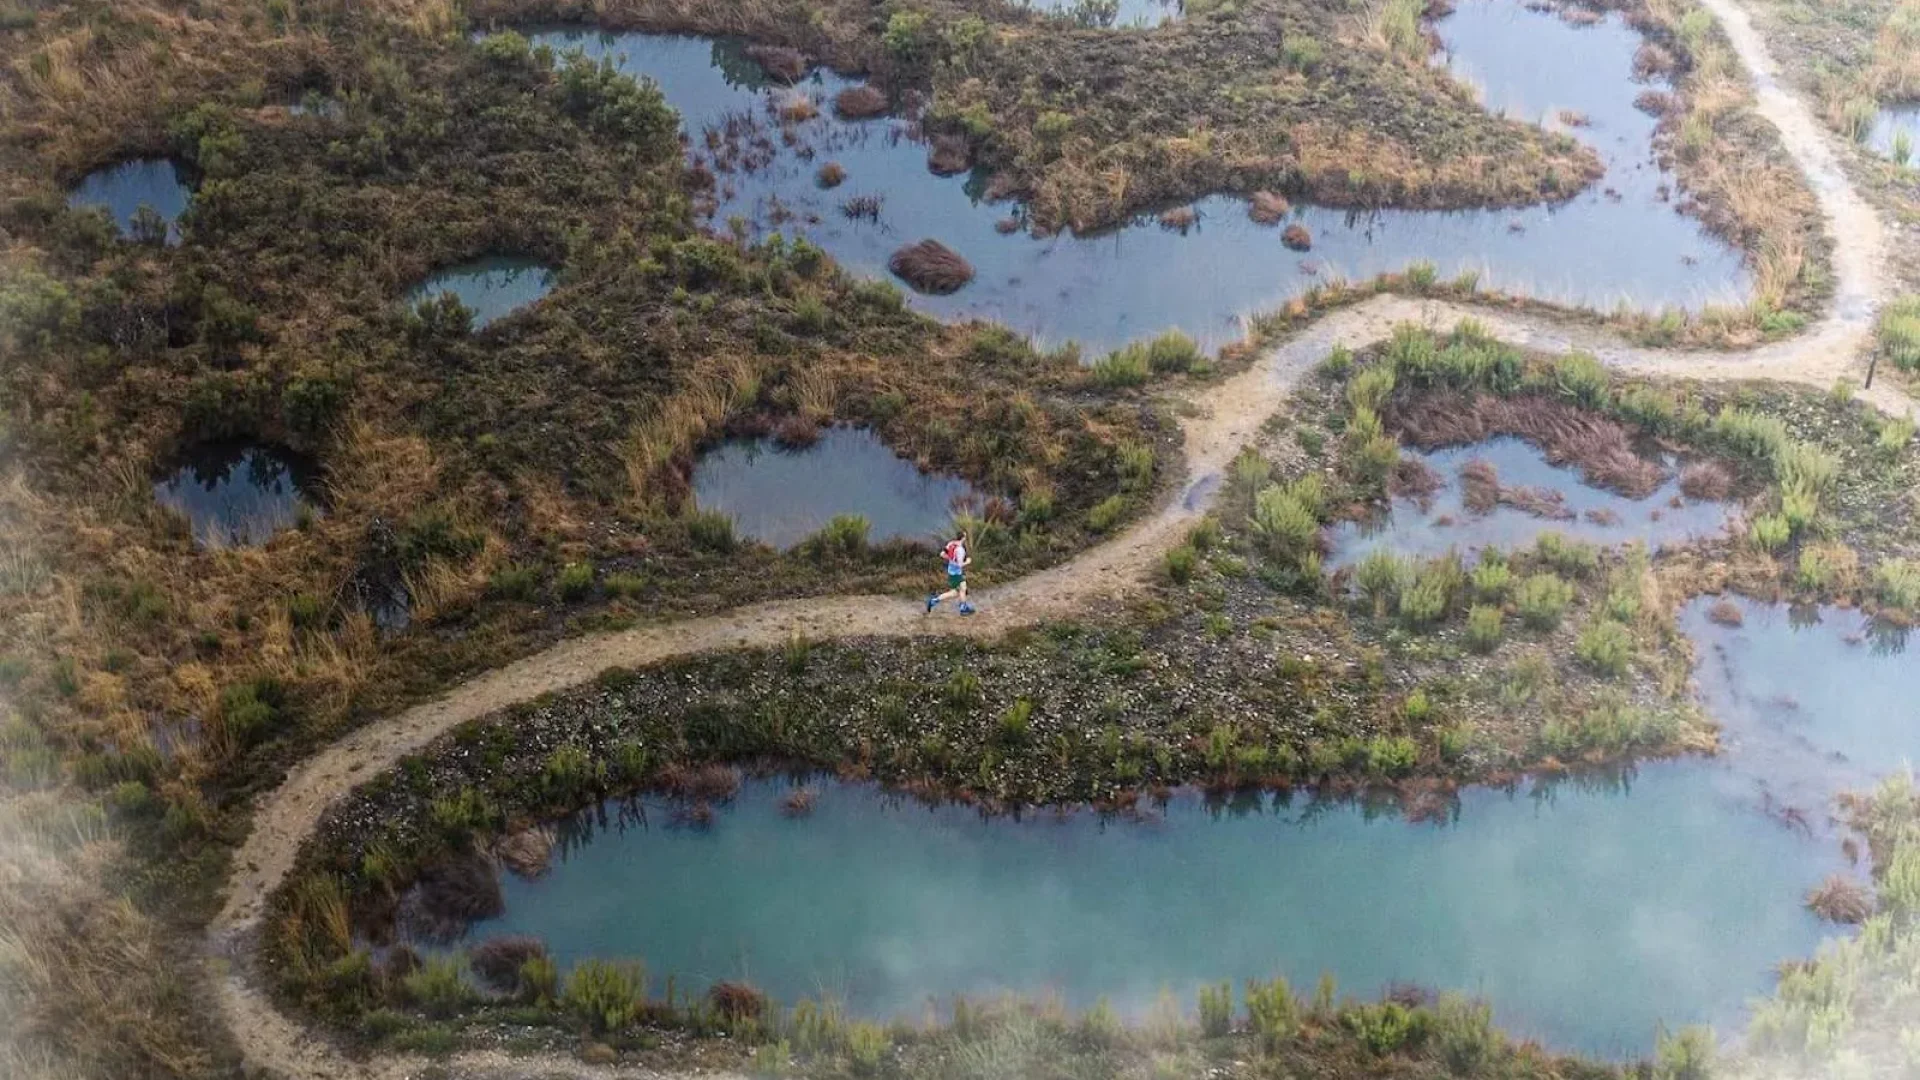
{"x": 515, "y": 582}
{"x": 1425, "y": 601}
{"x": 963, "y": 690}
{"x": 1485, "y": 623}
{"x": 1129, "y": 366}
{"x": 1542, "y": 600}
{"x": 1770, "y": 532}
{"x": 1580, "y": 378}
{"x": 624, "y": 585}
{"x": 1216, "y": 1010}
{"x": 1894, "y": 436}
{"x": 439, "y": 986}
{"x": 1897, "y": 583}
{"x": 1300, "y": 53}
{"x": 1180, "y": 564}
{"x": 843, "y": 534}
{"x": 1421, "y": 276}
{"x": 1273, "y": 1013}
{"x": 1391, "y": 755}
{"x": 1016, "y": 723}
{"x": 867, "y": 1046}
{"x": 576, "y": 581}
{"x": 1383, "y": 1027}
{"x": 1569, "y": 557}
{"x": 1135, "y": 463}
{"x": 1808, "y": 467}
{"x": 1107, "y": 513}
{"x": 617, "y": 105}
{"x": 1899, "y": 332}
{"x": 1819, "y": 569}
{"x": 539, "y": 980}
{"x": 569, "y": 773}
{"x": 249, "y": 709}
{"x": 1285, "y": 525}
{"x": 710, "y": 530}
{"x": 1605, "y": 647}
{"x": 1492, "y": 578}
{"x": 1382, "y": 576}
{"x": 1173, "y": 351}
{"x": 1683, "y": 1055}
{"x": 907, "y": 36}
{"x": 1757, "y": 437}
{"x": 1464, "y": 1035}
{"x": 604, "y": 996}
{"x": 1418, "y": 707}
{"x": 1371, "y": 388}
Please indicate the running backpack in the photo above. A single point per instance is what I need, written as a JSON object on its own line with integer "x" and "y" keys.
{"x": 951, "y": 552}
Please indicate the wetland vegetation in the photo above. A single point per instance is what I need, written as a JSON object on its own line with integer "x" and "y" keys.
{"x": 350, "y": 352}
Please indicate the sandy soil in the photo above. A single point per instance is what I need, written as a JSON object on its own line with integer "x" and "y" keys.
{"x": 1223, "y": 419}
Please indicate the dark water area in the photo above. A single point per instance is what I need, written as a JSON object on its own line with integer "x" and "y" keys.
{"x": 123, "y": 189}
{"x": 237, "y": 494}
{"x": 781, "y": 496}
{"x": 1890, "y": 126}
{"x": 492, "y": 288}
{"x": 1103, "y": 290}
{"x": 1431, "y": 527}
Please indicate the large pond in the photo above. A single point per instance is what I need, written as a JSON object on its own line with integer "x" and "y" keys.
{"x": 1600, "y": 248}
{"x": 491, "y": 288}
{"x": 1431, "y": 526}
{"x": 1587, "y": 913}
{"x": 121, "y": 190}
{"x": 237, "y": 494}
{"x": 781, "y": 496}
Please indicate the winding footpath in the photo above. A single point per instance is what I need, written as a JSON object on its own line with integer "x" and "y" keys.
{"x": 1225, "y": 417}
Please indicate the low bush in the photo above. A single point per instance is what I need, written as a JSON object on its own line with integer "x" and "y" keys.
{"x": 514, "y": 582}
{"x": 1273, "y": 1013}
{"x": 1107, "y": 513}
{"x": 710, "y": 530}
{"x": 1542, "y": 600}
{"x": 1485, "y": 624}
{"x": 1605, "y": 648}
{"x": 1382, "y": 576}
{"x": 438, "y": 987}
{"x": 1569, "y": 557}
{"x": 1391, "y": 755}
{"x": 1180, "y": 564}
{"x": 575, "y": 581}
{"x": 1897, "y": 583}
{"x": 1216, "y": 1010}
{"x": 1122, "y": 367}
{"x": 1770, "y": 532}
{"x": 1899, "y": 332}
{"x": 1492, "y": 578}
{"x": 604, "y": 996}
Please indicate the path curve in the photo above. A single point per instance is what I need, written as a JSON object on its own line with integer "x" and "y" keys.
{"x": 1225, "y": 417}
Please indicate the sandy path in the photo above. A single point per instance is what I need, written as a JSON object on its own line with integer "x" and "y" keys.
{"x": 1224, "y": 419}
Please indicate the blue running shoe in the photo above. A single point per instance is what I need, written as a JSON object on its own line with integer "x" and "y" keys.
{"x": 966, "y": 609}
{"x": 933, "y": 601}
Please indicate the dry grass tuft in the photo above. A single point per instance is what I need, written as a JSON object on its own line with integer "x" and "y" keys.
{"x": 797, "y": 109}
{"x": 1296, "y": 237}
{"x": 859, "y": 102}
{"x": 949, "y": 156}
{"x": 1180, "y": 218}
{"x": 798, "y": 802}
{"x": 1726, "y": 613}
{"x": 1841, "y": 900}
{"x": 497, "y": 961}
{"x": 1600, "y": 446}
{"x": 1268, "y": 208}
{"x": 1706, "y": 481}
{"x": 830, "y": 175}
{"x": 931, "y": 267}
{"x": 1479, "y": 485}
{"x": 787, "y": 65}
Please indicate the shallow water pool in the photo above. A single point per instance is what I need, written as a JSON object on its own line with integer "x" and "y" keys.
{"x": 237, "y": 494}
{"x": 492, "y": 288}
{"x": 1431, "y": 527}
{"x": 1103, "y": 290}
{"x": 782, "y": 496}
{"x": 123, "y": 189}
{"x": 1893, "y": 127}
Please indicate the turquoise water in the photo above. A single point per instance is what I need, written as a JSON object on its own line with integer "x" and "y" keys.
{"x": 781, "y": 496}
{"x": 1415, "y": 527}
{"x": 124, "y": 188}
{"x": 492, "y": 288}
{"x": 1105, "y": 289}
{"x": 237, "y": 494}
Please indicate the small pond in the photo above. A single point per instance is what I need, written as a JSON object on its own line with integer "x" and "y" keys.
{"x": 781, "y": 496}
{"x": 1424, "y": 528}
{"x": 1894, "y": 127}
{"x": 237, "y": 494}
{"x": 123, "y": 189}
{"x": 492, "y": 288}
{"x": 1110, "y": 13}
{"x": 1103, "y": 290}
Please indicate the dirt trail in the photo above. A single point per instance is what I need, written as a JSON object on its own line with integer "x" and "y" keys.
{"x": 1225, "y": 417}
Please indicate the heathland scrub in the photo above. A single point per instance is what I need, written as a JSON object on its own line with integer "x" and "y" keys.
{"x": 88, "y": 112}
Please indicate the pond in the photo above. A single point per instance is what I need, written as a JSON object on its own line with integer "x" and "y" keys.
{"x": 238, "y": 494}
{"x": 1425, "y": 528}
{"x": 781, "y": 496}
{"x": 1896, "y": 128}
{"x": 1103, "y": 290}
{"x": 492, "y": 287}
{"x": 1111, "y": 13}
{"x": 121, "y": 190}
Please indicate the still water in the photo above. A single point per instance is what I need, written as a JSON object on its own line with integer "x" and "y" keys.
{"x": 237, "y": 494}
{"x": 491, "y": 288}
{"x": 123, "y": 189}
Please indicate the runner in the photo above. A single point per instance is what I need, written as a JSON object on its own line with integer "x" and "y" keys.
{"x": 957, "y": 559}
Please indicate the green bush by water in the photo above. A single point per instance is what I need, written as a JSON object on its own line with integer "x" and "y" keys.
{"x": 1542, "y": 600}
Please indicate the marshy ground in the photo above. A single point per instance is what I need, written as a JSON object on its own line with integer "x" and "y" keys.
{"x": 267, "y": 487}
